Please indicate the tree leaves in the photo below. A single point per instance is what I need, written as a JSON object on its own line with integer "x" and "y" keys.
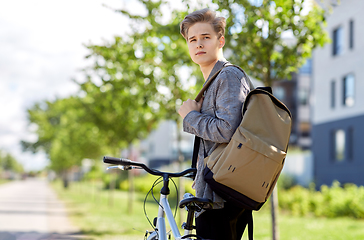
{"x": 256, "y": 36}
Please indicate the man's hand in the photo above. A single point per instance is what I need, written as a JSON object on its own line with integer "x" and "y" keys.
{"x": 188, "y": 106}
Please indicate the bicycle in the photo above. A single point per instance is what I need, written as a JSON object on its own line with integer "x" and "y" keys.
{"x": 191, "y": 203}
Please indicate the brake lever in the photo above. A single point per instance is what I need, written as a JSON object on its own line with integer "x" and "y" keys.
{"x": 120, "y": 167}
{"x": 191, "y": 176}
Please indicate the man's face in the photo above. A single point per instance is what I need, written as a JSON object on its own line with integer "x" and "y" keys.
{"x": 203, "y": 43}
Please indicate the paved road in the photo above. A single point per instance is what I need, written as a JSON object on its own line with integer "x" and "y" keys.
{"x": 30, "y": 210}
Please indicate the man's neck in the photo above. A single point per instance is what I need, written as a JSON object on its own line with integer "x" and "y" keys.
{"x": 206, "y": 69}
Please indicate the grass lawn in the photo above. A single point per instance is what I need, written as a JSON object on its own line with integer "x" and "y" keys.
{"x": 2, "y": 181}
{"x": 101, "y": 215}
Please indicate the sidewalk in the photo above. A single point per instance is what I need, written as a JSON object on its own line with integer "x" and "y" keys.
{"x": 30, "y": 210}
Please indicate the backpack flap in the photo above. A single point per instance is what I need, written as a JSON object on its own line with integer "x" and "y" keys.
{"x": 267, "y": 118}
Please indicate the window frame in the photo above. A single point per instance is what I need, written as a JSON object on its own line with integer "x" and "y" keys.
{"x": 351, "y": 34}
{"x": 339, "y": 152}
{"x": 333, "y": 94}
{"x": 337, "y": 41}
{"x": 345, "y": 88}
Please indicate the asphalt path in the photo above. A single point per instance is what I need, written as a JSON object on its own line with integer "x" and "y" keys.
{"x": 30, "y": 210}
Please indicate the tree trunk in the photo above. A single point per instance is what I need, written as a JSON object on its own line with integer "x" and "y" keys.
{"x": 181, "y": 189}
{"x": 131, "y": 183}
{"x": 131, "y": 191}
{"x": 65, "y": 179}
{"x": 274, "y": 211}
{"x": 111, "y": 189}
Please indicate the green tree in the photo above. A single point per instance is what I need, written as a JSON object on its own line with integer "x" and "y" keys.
{"x": 64, "y": 134}
{"x": 9, "y": 163}
{"x": 256, "y": 30}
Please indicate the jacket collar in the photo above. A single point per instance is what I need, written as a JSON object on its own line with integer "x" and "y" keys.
{"x": 218, "y": 65}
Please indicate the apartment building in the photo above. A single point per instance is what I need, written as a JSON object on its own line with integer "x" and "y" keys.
{"x": 338, "y": 101}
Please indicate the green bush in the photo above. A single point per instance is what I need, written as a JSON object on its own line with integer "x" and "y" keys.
{"x": 286, "y": 181}
{"x": 334, "y": 201}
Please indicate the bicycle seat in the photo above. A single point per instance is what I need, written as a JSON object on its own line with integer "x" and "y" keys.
{"x": 196, "y": 204}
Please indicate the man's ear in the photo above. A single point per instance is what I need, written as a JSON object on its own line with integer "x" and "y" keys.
{"x": 221, "y": 42}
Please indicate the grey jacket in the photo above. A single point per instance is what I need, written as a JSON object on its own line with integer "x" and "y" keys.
{"x": 219, "y": 118}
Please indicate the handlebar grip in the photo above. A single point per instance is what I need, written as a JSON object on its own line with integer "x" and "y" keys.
{"x": 116, "y": 161}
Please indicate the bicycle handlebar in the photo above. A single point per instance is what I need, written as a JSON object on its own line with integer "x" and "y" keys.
{"x": 117, "y": 161}
{"x": 127, "y": 162}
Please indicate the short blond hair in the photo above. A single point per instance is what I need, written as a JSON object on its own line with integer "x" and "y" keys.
{"x": 207, "y": 16}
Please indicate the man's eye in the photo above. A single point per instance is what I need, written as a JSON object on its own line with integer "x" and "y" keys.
{"x": 192, "y": 40}
{"x": 207, "y": 37}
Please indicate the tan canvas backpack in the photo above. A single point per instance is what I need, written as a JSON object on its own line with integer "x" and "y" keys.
{"x": 246, "y": 170}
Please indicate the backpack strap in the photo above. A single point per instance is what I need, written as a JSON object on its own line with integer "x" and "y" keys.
{"x": 207, "y": 84}
{"x": 196, "y": 147}
{"x": 250, "y": 224}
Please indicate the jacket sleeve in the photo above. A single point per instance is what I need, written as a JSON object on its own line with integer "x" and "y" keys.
{"x": 230, "y": 93}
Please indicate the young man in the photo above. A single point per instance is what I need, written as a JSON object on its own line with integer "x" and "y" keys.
{"x": 215, "y": 118}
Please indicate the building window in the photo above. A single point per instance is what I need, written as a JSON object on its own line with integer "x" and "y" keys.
{"x": 339, "y": 145}
{"x": 351, "y": 34}
{"x": 307, "y": 67}
{"x": 348, "y": 90}
{"x": 337, "y": 41}
{"x": 303, "y": 95}
{"x": 333, "y": 91}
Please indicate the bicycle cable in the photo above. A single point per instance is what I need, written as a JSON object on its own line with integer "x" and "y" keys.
{"x": 156, "y": 182}
{"x": 175, "y": 210}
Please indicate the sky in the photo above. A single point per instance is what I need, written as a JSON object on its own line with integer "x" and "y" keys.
{"x": 41, "y": 51}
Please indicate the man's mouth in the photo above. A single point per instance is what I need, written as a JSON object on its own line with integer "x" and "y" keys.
{"x": 200, "y": 53}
